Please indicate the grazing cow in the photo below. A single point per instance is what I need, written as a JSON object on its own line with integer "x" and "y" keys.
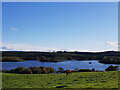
{"x": 68, "y": 71}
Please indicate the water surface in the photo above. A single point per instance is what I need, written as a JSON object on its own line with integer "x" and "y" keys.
{"x": 69, "y": 64}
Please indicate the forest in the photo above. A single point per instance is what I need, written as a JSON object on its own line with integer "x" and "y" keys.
{"x": 59, "y": 56}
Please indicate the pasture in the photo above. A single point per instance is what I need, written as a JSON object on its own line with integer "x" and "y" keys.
{"x": 74, "y": 80}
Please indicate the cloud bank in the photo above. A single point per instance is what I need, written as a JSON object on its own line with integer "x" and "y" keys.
{"x": 24, "y": 47}
{"x": 114, "y": 44}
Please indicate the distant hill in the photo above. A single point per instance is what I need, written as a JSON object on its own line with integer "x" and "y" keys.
{"x": 106, "y": 53}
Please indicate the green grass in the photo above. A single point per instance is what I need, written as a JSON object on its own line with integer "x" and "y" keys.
{"x": 74, "y": 80}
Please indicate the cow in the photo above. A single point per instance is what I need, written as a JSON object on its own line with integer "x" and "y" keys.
{"x": 68, "y": 71}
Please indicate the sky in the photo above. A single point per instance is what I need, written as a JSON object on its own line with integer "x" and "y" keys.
{"x": 51, "y": 26}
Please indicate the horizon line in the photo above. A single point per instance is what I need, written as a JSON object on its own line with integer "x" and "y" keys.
{"x": 57, "y": 51}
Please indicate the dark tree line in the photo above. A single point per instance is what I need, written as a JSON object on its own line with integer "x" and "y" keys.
{"x": 60, "y": 56}
{"x": 112, "y": 68}
{"x": 110, "y": 60}
{"x": 47, "y": 70}
{"x": 11, "y": 58}
{"x": 31, "y": 70}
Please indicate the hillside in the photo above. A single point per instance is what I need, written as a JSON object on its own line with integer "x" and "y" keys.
{"x": 74, "y": 80}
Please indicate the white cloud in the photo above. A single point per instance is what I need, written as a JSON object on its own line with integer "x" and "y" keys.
{"x": 114, "y": 44}
{"x": 72, "y": 50}
{"x": 14, "y": 29}
{"x": 24, "y": 47}
{"x": 6, "y": 48}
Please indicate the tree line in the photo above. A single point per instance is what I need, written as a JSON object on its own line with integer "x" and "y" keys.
{"x": 31, "y": 70}
{"x": 110, "y": 60}
{"x": 48, "y": 70}
{"x": 104, "y": 57}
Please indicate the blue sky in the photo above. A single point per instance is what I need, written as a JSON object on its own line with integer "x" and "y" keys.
{"x": 83, "y": 26}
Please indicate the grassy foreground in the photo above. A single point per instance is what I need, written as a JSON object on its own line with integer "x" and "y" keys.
{"x": 74, "y": 80}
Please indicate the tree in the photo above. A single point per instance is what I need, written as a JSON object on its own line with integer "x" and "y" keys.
{"x": 50, "y": 69}
{"x": 36, "y": 70}
{"x": 17, "y": 70}
{"x": 111, "y": 68}
{"x": 27, "y": 71}
{"x": 61, "y": 69}
{"x": 43, "y": 58}
{"x": 11, "y": 59}
{"x": 44, "y": 70}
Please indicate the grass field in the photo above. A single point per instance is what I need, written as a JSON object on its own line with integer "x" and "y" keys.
{"x": 74, "y": 80}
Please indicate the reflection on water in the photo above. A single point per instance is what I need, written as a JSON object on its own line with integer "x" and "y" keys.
{"x": 69, "y": 64}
